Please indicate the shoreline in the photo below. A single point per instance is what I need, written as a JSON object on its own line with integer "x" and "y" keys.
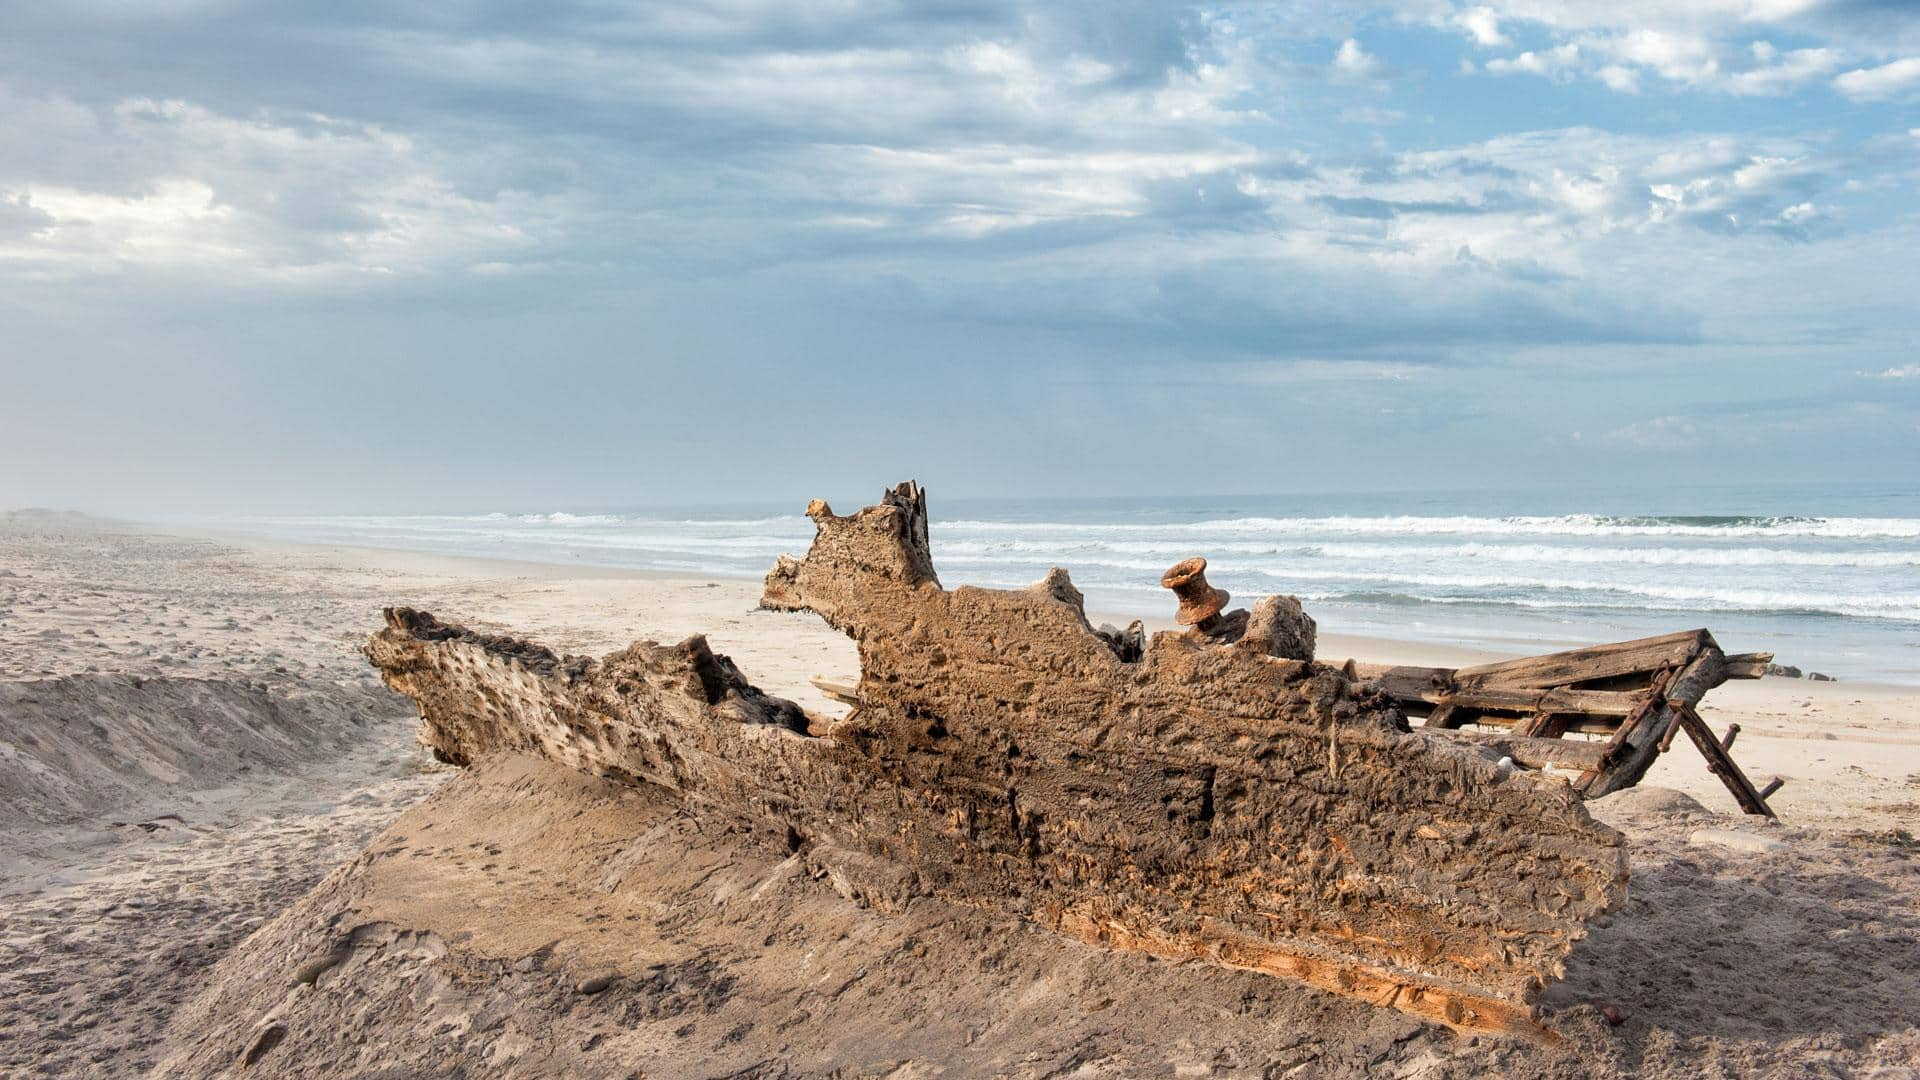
{"x": 1498, "y": 574}
{"x": 1364, "y": 647}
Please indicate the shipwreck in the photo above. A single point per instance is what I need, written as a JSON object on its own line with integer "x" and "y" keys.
{"x": 1213, "y": 794}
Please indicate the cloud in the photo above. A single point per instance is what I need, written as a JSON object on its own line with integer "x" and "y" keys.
{"x": 711, "y": 141}
{"x": 1723, "y": 190}
{"x": 1897, "y": 80}
{"x": 1778, "y": 73}
{"x": 1313, "y": 370}
{"x": 1552, "y": 62}
{"x": 169, "y": 185}
{"x": 1355, "y": 64}
{"x": 1656, "y": 433}
{"x": 19, "y": 217}
{"x": 603, "y": 138}
{"x": 1366, "y": 114}
{"x": 704, "y": 200}
{"x": 1910, "y": 371}
{"x": 1718, "y": 46}
{"x": 1483, "y": 25}
{"x": 1619, "y": 79}
{"x": 1678, "y": 57}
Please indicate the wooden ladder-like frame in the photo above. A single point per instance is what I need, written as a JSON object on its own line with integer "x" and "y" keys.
{"x": 1634, "y": 695}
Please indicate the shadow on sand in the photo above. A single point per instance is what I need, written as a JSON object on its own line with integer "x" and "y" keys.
{"x": 1821, "y": 938}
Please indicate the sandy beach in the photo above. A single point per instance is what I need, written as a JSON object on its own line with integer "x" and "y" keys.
{"x": 133, "y": 859}
{"x": 1861, "y": 771}
{"x": 1012, "y": 538}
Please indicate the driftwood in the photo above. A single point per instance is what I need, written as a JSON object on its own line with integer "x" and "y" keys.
{"x": 1205, "y": 802}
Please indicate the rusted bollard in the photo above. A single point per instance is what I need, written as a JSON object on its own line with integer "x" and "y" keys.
{"x": 1200, "y": 603}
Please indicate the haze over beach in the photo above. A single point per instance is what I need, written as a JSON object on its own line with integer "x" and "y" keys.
{"x": 369, "y": 371}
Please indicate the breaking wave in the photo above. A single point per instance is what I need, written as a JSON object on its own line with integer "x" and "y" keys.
{"x": 1843, "y": 583}
{"x": 1842, "y": 528}
{"x": 1471, "y": 552}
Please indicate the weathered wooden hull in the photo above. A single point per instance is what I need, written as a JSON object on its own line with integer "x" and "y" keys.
{"x": 1204, "y": 802}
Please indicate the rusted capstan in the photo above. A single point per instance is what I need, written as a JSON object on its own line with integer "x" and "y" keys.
{"x": 1201, "y": 605}
{"x": 1200, "y": 602}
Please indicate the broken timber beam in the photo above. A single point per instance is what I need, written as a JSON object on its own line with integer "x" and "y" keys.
{"x": 1533, "y": 700}
{"x": 1560, "y": 669}
{"x": 1637, "y": 743}
{"x": 1634, "y": 692}
{"x": 835, "y": 690}
{"x": 1536, "y": 753}
{"x": 1751, "y": 799}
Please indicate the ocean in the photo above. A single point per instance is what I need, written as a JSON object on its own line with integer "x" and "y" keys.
{"x": 1827, "y": 578}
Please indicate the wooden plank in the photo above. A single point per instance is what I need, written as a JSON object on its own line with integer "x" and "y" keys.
{"x": 844, "y": 693}
{"x": 1534, "y": 726}
{"x": 1536, "y": 753}
{"x": 1584, "y": 665}
{"x": 1414, "y": 682}
{"x": 1722, "y": 763}
{"x": 1534, "y": 700}
{"x": 1539, "y": 700}
{"x": 1698, "y": 677}
{"x": 1641, "y": 740}
{"x": 1562, "y": 723}
{"x": 1653, "y": 703}
{"x": 1406, "y": 682}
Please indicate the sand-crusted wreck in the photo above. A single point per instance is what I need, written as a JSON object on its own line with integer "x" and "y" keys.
{"x": 1201, "y": 798}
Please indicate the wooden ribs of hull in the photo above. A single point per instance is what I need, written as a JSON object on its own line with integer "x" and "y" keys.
{"x": 1633, "y": 694}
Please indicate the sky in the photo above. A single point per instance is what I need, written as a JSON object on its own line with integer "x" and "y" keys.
{"x": 474, "y": 256}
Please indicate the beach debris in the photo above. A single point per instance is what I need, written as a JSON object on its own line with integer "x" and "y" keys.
{"x": 1129, "y": 644}
{"x": 1277, "y": 625}
{"x": 1736, "y": 840}
{"x": 1601, "y": 714}
{"x": 1199, "y": 803}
